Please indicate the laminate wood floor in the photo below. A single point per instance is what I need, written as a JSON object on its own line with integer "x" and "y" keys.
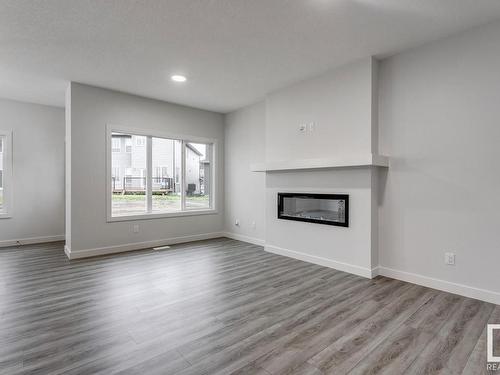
{"x": 225, "y": 307}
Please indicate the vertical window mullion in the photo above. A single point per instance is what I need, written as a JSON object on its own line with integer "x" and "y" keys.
{"x": 183, "y": 176}
{"x": 149, "y": 173}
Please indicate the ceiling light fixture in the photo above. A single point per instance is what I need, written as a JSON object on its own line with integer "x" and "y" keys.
{"x": 178, "y": 78}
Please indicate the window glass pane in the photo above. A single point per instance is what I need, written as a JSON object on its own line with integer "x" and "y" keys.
{"x": 1, "y": 173}
{"x": 128, "y": 145}
{"x": 198, "y": 175}
{"x": 166, "y": 163}
{"x": 128, "y": 179}
{"x": 116, "y": 144}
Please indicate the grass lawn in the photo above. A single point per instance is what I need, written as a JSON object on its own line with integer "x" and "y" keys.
{"x": 130, "y": 204}
{"x": 157, "y": 197}
{"x": 142, "y": 197}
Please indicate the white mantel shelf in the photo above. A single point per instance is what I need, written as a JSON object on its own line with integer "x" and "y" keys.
{"x": 368, "y": 160}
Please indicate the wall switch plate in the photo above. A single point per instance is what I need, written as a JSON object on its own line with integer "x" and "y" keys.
{"x": 312, "y": 126}
{"x": 449, "y": 259}
{"x": 302, "y": 128}
{"x": 135, "y": 228}
{"x": 254, "y": 225}
{"x": 237, "y": 222}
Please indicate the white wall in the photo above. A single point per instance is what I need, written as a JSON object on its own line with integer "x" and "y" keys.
{"x": 440, "y": 124}
{"x": 245, "y": 191}
{"x": 339, "y": 103}
{"x": 38, "y": 172}
{"x": 91, "y": 109}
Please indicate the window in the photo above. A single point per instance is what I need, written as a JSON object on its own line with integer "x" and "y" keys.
{"x": 160, "y": 176}
{"x": 166, "y": 155}
{"x": 197, "y": 176}
{"x": 1, "y": 173}
{"x": 5, "y": 175}
{"x": 129, "y": 192}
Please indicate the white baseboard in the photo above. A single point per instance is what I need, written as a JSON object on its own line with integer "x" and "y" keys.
{"x": 67, "y": 251}
{"x": 341, "y": 266}
{"x": 447, "y": 286}
{"x": 241, "y": 237}
{"x": 71, "y": 254}
{"x": 31, "y": 240}
{"x": 375, "y": 272}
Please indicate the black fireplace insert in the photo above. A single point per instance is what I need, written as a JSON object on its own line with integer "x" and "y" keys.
{"x": 329, "y": 209}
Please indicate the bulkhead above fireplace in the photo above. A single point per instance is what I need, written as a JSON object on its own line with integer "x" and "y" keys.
{"x": 330, "y": 209}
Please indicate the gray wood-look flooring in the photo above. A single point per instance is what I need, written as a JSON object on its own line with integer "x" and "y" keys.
{"x": 225, "y": 307}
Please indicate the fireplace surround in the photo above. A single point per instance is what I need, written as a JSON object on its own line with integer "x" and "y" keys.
{"x": 329, "y": 209}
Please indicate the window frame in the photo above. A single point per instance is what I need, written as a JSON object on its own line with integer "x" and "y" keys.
{"x": 7, "y": 175}
{"x": 150, "y": 134}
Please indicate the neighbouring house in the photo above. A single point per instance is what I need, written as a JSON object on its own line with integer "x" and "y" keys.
{"x": 193, "y": 169}
{"x": 129, "y": 165}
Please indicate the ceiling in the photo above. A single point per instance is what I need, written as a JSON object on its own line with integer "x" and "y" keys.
{"x": 232, "y": 51}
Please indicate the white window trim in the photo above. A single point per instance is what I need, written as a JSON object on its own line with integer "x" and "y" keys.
{"x": 7, "y": 176}
{"x": 110, "y": 128}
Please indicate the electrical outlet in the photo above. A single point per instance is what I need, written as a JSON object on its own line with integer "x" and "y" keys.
{"x": 237, "y": 222}
{"x": 135, "y": 228}
{"x": 449, "y": 259}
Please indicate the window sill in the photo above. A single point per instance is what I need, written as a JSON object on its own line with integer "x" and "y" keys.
{"x": 161, "y": 215}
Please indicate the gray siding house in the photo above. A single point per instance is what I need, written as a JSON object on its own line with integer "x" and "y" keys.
{"x": 129, "y": 165}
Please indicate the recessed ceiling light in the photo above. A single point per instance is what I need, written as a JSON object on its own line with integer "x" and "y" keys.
{"x": 178, "y": 78}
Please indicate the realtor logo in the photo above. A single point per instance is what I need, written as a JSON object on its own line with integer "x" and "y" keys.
{"x": 493, "y": 360}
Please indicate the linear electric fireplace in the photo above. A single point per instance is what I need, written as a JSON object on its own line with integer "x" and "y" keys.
{"x": 330, "y": 209}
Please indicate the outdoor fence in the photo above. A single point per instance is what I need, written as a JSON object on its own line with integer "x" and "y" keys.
{"x": 138, "y": 184}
